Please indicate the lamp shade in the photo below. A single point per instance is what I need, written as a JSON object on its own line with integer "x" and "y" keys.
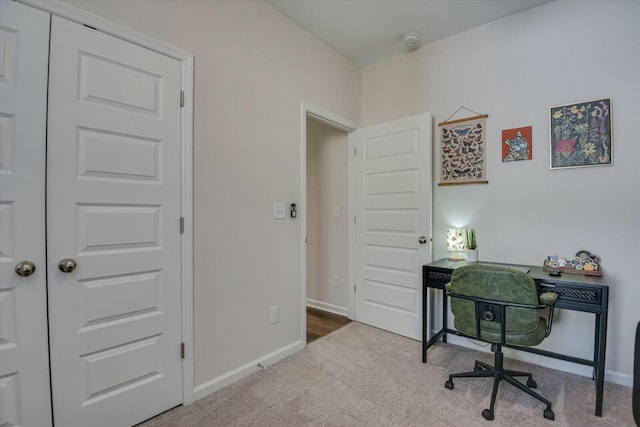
{"x": 455, "y": 239}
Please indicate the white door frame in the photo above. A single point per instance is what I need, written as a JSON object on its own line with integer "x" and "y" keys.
{"x": 311, "y": 111}
{"x": 80, "y": 16}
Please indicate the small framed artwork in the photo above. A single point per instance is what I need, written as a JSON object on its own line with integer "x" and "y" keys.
{"x": 516, "y": 144}
{"x": 581, "y": 134}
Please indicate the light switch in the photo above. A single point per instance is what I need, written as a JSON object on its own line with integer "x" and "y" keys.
{"x": 335, "y": 281}
{"x": 336, "y": 211}
{"x": 279, "y": 210}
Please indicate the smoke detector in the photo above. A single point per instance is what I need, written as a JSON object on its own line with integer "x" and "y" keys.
{"x": 410, "y": 41}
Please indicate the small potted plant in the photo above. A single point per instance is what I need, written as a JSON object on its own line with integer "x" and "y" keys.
{"x": 471, "y": 245}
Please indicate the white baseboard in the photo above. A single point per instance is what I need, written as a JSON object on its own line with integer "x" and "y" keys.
{"x": 325, "y": 306}
{"x": 547, "y": 362}
{"x": 619, "y": 378}
{"x": 244, "y": 371}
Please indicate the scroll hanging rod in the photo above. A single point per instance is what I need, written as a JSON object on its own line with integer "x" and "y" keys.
{"x": 462, "y": 107}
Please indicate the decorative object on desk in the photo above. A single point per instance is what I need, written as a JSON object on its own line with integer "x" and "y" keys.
{"x": 471, "y": 245}
{"x": 584, "y": 262}
{"x": 581, "y": 134}
{"x": 463, "y": 148}
{"x": 517, "y": 144}
{"x": 455, "y": 243}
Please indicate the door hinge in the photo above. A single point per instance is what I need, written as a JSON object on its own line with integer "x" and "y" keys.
{"x": 355, "y": 288}
{"x": 181, "y": 98}
{"x": 355, "y": 151}
{"x": 181, "y": 225}
{"x": 355, "y": 221}
{"x": 182, "y": 350}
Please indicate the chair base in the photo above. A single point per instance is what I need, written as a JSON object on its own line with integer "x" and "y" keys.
{"x": 498, "y": 373}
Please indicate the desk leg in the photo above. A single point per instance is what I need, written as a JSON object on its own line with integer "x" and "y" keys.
{"x": 445, "y": 315}
{"x": 425, "y": 313}
{"x": 601, "y": 341}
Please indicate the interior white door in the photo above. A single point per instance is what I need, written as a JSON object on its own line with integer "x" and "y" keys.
{"x": 24, "y": 359}
{"x": 113, "y": 207}
{"x": 393, "y": 222}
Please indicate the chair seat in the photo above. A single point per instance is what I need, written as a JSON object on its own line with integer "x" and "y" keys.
{"x": 528, "y": 338}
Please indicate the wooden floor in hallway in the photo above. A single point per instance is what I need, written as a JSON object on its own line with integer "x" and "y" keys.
{"x": 321, "y": 323}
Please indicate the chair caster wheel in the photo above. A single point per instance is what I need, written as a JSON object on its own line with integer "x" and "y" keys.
{"x": 449, "y": 385}
{"x": 488, "y": 415}
{"x": 477, "y": 368}
{"x": 548, "y": 414}
{"x": 531, "y": 383}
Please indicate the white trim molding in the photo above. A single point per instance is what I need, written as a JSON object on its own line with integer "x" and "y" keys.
{"x": 186, "y": 59}
{"x": 186, "y": 208}
{"x": 330, "y": 308}
{"x": 247, "y": 369}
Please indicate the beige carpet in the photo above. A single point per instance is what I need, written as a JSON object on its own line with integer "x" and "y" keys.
{"x": 363, "y": 376}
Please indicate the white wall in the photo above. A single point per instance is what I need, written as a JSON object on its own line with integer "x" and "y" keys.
{"x": 327, "y": 234}
{"x": 514, "y": 69}
{"x": 253, "y": 67}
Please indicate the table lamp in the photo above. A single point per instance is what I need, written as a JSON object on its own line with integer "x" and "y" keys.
{"x": 455, "y": 243}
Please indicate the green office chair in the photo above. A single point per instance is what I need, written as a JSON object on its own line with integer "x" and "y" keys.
{"x": 500, "y": 306}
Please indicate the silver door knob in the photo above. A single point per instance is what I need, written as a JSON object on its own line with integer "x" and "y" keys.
{"x": 422, "y": 240}
{"x": 25, "y": 268}
{"x": 67, "y": 265}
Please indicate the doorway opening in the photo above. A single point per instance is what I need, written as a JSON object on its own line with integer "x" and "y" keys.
{"x": 327, "y": 298}
{"x": 389, "y": 195}
{"x": 327, "y": 230}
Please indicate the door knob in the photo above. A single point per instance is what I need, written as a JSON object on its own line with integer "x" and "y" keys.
{"x": 67, "y": 265}
{"x": 25, "y": 268}
{"x": 422, "y": 240}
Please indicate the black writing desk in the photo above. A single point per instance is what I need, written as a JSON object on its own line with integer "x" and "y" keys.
{"x": 577, "y": 292}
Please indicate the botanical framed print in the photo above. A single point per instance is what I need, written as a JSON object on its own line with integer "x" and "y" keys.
{"x": 517, "y": 144}
{"x": 581, "y": 134}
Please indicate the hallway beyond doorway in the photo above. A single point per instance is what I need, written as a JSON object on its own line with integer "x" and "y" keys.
{"x": 321, "y": 323}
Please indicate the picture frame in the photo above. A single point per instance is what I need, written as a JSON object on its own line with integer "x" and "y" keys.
{"x": 581, "y": 134}
{"x": 517, "y": 144}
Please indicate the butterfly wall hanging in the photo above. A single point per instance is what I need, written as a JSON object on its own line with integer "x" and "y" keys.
{"x": 463, "y": 150}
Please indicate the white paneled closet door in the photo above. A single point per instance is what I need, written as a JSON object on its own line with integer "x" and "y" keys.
{"x": 95, "y": 327}
{"x": 113, "y": 211}
{"x": 24, "y": 359}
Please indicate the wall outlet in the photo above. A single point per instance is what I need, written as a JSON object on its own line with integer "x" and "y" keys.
{"x": 275, "y": 314}
{"x": 335, "y": 281}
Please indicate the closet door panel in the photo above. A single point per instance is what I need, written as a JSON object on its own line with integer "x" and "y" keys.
{"x": 113, "y": 194}
{"x": 24, "y": 358}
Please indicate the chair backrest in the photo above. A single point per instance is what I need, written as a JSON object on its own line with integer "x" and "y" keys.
{"x": 498, "y": 284}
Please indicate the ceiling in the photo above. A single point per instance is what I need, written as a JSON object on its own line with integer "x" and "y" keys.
{"x": 366, "y": 31}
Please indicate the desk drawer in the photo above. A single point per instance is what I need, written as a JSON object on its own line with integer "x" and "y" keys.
{"x": 584, "y": 295}
{"x": 571, "y": 294}
{"x": 435, "y": 276}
